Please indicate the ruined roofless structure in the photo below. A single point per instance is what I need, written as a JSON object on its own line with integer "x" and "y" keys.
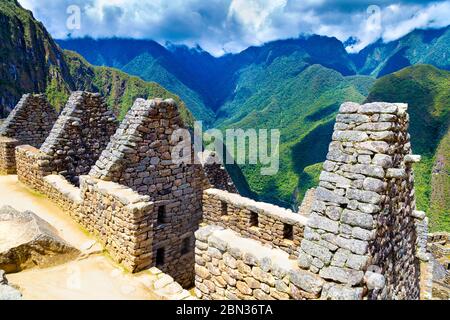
{"x": 362, "y": 237}
{"x": 139, "y": 157}
{"x": 29, "y": 123}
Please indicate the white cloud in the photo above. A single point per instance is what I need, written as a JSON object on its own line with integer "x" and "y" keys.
{"x": 232, "y": 25}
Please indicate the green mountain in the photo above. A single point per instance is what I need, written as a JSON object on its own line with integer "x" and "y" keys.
{"x": 303, "y": 106}
{"x": 295, "y": 85}
{"x": 426, "y": 90}
{"x": 430, "y": 46}
{"x": 31, "y": 61}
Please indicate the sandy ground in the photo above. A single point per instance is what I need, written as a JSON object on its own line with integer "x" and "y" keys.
{"x": 94, "y": 277}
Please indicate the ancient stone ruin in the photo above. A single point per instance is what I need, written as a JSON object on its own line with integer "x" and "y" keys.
{"x": 216, "y": 174}
{"x": 79, "y": 135}
{"x": 139, "y": 157}
{"x": 439, "y": 246}
{"x": 359, "y": 241}
{"x": 358, "y": 235}
{"x": 29, "y": 123}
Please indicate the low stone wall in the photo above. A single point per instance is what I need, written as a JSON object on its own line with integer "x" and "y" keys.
{"x": 64, "y": 194}
{"x": 439, "y": 244}
{"x": 30, "y": 121}
{"x": 31, "y": 167}
{"x": 7, "y": 155}
{"x": 121, "y": 219}
{"x": 267, "y": 223}
{"x": 231, "y": 267}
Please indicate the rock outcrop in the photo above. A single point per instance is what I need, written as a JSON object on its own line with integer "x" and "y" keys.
{"x": 7, "y": 292}
{"x": 27, "y": 241}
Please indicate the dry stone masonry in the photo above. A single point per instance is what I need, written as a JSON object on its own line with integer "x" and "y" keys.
{"x": 229, "y": 266}
{"x": 29, "y": 123}
{"x": 267, "y": 223}
{"x": 217, "y": 176}
{"x": 361, "y": 233}
{"x": 363, "y": 238}
{"x": 139, "y": 156}
{"x": 79, "y": 135}
{"x": 358, "y": 235}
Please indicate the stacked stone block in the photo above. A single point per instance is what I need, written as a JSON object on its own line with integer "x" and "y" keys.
{"x": 272, "y": 225}
{"x": 7, "y": 155}
{"x": 121, "y": 219}
{"x": 79, "y": 135}
{"x": 439, "y": 244}
{"x": 29, "y": 124}
{"x": 231, "y": 267}
{"x": 217, "y": 176}
{"x": 32, "y": 166}
{"x": 139, "y": 156}
{"x": 361, "y": 233}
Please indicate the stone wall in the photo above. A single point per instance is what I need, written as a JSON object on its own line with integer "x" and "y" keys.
{"x": 7, "y": 155}
{"x": 231, "y": 267}
{"x": 121, "y": 219}
{"x": 439, "y": 244}
{"x": 139, "y": 157}
{"x": 79, "y": 135}
{"x": 217, "y": 176}
{"x": 267, "y": 223}
{"x": 32, "y": 167}
{"x": 308, "y": 200}
{"x": 364, "y": 238}
{"x": 29, "y": 123}
{"x": 363, "y": 218}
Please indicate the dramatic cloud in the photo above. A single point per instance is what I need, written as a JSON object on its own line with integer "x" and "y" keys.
{"x": 221, "y": 26}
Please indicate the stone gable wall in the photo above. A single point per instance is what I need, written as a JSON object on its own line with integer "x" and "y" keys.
{"x": 79, "y": 135}
{"x": 30, "y": 121}
{"x": 276, "y": 226}
{"x": 363, "y": 239}
{"x": 29, "y": 124}
{"x": 139, "y": 156}
{"x": 363, "y": 219}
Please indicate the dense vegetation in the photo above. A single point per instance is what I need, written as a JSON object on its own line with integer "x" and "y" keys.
{"x": 418, "y": 47}
{"x": 426, "y": 89}
{"x": 294, "y": 85}
{"x": 30, "y": 61}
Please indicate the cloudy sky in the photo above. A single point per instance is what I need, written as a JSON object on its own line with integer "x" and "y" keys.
{"x": 221, "y": 26}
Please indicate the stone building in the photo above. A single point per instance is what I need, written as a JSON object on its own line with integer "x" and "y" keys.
{"x": 139, "y": 156}
{"x": 29, "y": 123}
{"x": 362, "y": 239}
{"x": 79, "y": 135}
{"x": 358, "y": 235}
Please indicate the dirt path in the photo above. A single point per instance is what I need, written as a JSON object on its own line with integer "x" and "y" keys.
{"x": 95, "y": 277}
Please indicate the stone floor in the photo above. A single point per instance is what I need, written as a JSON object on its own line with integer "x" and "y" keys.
{"x": 93, "y": 275}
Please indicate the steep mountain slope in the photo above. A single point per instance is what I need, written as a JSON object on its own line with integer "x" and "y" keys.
{"x": 426, "y": 90}
{"x": 30, "y": 61}
{"x": 146, "y": 59}
{"x": 303, "y": 108}
{"x": 418, "y": 47}
{"x": 120, "y": 89}
{"x": 204, "y": 82}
